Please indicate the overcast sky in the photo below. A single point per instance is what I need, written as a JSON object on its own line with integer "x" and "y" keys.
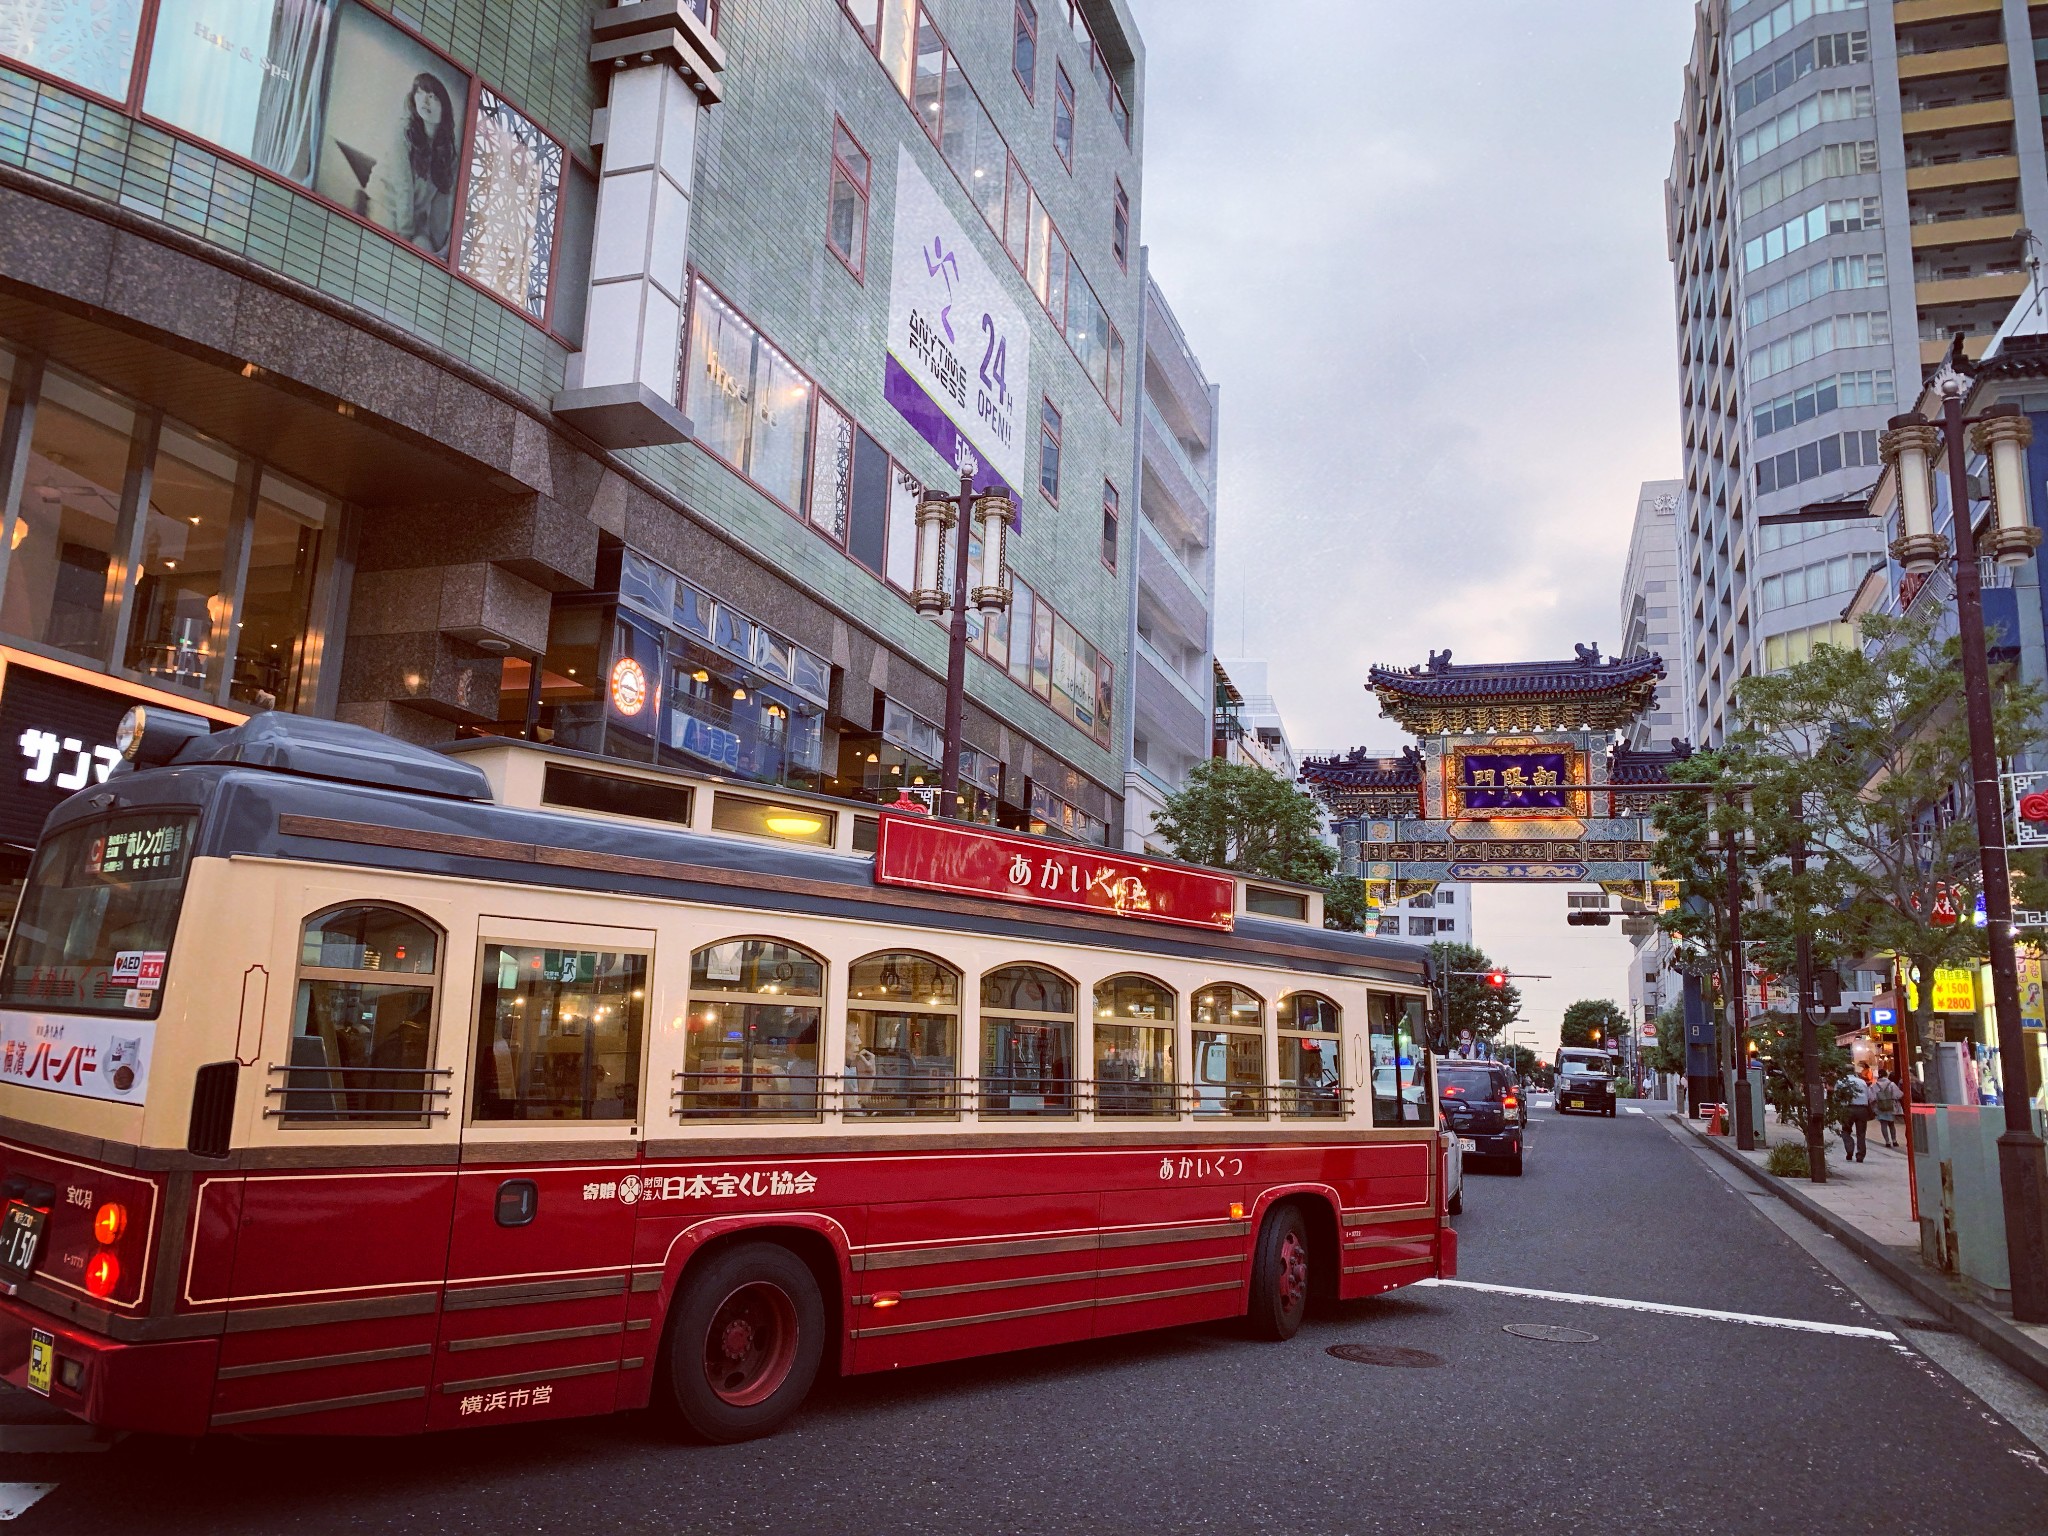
{"x": 1421, "y": 248}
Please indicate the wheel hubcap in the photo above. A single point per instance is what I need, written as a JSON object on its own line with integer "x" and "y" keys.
{"x": 750, "y": 1345}
{"x": 1293, "y": 1272}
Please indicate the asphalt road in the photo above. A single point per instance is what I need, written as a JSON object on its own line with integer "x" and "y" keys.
{"x": 1661, "y": 1423}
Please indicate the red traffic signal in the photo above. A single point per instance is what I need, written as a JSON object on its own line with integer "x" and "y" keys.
{"x": 1496, "y": 979}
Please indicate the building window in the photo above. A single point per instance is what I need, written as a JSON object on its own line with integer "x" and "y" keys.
{"x": 846, "y": 230}
{"x": 1120, "y": 228}
{"x": 1449, "y": 898}
{"x": 1063, "y": 116}
{"x": 866, "y": 16}
{"x": 336, "y": 100}
{"x": 221, "y": 603}
{"x": 1049, "y": 451}
{"x": 751, "y": 406}
{"x": 1109, "y": 512}
{"x": 1447, "y": 925}
{"x": 1024, "y": 49}
{"x": 1421, "y": 927}
{"x": 558, "y": 1033}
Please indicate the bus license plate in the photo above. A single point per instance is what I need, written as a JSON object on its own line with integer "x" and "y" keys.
{"x": 21, "y": 1241}
{"x": 42, "y": 1360}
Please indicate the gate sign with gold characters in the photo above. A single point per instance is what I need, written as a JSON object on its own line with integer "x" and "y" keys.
{"x": 1514, "y": 783}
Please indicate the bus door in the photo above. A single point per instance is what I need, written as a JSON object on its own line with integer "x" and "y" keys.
{"x": 533, "y": 1322}
{"x": 329, "y": 1244}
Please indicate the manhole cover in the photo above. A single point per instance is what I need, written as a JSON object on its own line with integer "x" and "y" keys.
{"x": 1551, "y": 1334}
{"x": 1385, "y": 1354}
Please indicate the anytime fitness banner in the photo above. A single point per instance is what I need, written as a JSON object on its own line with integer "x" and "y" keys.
{"x": 959, "y": 363}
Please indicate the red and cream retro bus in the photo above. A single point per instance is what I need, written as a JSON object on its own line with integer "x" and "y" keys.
{"x": 349, "y": 1087}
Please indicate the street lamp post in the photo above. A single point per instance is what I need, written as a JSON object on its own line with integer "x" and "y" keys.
{"x": 2002, "y": 435}
{"x": 942, "y": 533}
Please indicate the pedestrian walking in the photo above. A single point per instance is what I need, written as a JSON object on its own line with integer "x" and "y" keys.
{"x": 1855, "y": 1117}
{"x": 1885, "y": 1098}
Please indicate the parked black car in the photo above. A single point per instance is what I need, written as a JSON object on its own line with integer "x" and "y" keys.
{"x": 1482, "y": 1107}
{"x": 1585, "y": 1081}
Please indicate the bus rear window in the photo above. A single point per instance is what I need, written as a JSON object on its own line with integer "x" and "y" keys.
{"x": 93, "y": 932}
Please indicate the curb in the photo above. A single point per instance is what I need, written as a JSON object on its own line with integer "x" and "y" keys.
{"x": 1978, "y": 1324}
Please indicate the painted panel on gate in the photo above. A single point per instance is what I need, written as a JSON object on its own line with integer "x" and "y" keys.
{"x": 959, "y": 361}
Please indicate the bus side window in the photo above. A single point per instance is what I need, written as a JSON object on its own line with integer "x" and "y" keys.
{"x": 1311, "y": 1074}
{"x": 1134, "y": 1039}
{"x": 363, "y": 1021}
{"x": 1230, "y": 1044}
{"x": 558, "y": 1033}
{"x": 755, "y": 1008}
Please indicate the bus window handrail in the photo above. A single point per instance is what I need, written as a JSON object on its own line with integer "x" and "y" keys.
{"x": 397, "y": 1093}
{"x": 740, "y": 1093}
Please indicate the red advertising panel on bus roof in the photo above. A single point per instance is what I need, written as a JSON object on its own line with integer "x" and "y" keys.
{"x": 972, "y": 861}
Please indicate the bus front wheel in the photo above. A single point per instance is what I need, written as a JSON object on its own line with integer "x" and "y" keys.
{"x": 1280, "y": 1276}
{"x": 744, "y": 1343}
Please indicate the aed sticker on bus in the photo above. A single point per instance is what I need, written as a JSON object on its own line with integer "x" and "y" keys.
{"x": 42, "y": 1360}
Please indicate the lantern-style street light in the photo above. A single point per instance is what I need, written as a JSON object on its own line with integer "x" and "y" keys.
{"x": 942, "y": 535}
{"x": 2001, "y": 434}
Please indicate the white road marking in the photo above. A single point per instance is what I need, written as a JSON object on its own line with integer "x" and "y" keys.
{"x": 15, "y": 1498}
{"x": 1623, "y": 1304}
{"x": 1633, "y": 1110}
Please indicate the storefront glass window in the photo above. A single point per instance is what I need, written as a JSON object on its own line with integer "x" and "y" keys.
{"x": 64, "y": 537}
{"x": 272, "y": 650}
{"x": 178, "y": 620}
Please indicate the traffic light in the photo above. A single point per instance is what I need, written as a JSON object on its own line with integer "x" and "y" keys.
{"x": 1496, "y": 979}
{"x": 1593, "y": 917}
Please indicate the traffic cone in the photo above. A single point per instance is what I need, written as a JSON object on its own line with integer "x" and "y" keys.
{"x": 1717, "y": 1119}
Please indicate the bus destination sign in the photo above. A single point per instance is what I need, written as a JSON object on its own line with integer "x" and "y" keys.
{"x": 972, "y": 861}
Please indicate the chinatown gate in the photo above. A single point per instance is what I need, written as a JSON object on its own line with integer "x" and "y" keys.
{"x": 1515, "y": 775}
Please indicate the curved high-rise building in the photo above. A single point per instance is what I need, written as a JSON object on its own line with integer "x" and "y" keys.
{"x": 1852, "y": 184}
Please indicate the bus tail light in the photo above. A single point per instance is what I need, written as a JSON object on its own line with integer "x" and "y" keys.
{"x": 109, "y": 1222}
{"x": 102, "y": 1274}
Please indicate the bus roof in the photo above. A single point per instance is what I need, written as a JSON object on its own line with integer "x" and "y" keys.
{"x": 289, "y": 787}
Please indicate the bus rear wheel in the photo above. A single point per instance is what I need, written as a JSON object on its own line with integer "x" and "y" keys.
{"x": 744, "y": 1343}
{"x": 1280, "y": 1276}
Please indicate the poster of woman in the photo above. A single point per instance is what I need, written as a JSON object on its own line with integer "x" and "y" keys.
{"x": 391, "y": 144}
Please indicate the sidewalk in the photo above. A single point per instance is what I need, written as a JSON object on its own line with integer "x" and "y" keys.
{"x": 1867, "y": 1205}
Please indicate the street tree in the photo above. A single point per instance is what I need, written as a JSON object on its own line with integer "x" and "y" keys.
{"x": 1594, "y": 1022}
{"x": 1863, "y": 755}
{"x": 1668, "y": 1054}
{"x": 1476, "y": 1005}
{"x": 1239, "y": 817}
